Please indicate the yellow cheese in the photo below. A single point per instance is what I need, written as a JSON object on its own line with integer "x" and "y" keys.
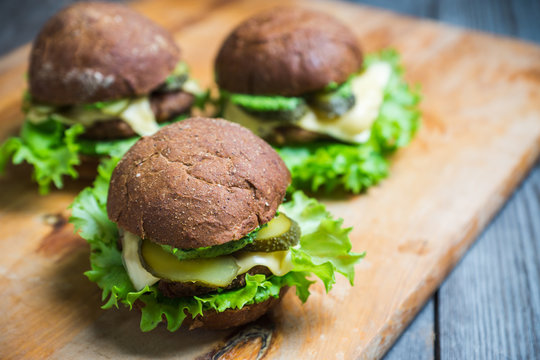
{"x": 278, "y": 262}
{"x": 260, "y": 127}
{"x": 191, "y": 86}
{"x": 137, "y": 113}
{"x": 169, "y": 267}
{"x": 140, "y": 117}
{"x": 138, "y": 275}
{"x": 353, "y": 126}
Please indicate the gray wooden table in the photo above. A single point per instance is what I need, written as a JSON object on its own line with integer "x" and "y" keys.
{"x": 489, "y": 306}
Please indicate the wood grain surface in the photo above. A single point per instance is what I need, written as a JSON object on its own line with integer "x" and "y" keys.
{"x": 510, "y": 255}
{"x": 481, "y": 133}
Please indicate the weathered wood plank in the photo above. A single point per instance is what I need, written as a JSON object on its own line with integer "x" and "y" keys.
{"x": 494, "y": 17}
{"x": 417, "y": 341}
{"x": 489, "y": 307}
{"x": 527, "y": 16}
{"x": 421, "y": 8}
{"x": 22, "y": 19}
{"x": 518, "y": 18}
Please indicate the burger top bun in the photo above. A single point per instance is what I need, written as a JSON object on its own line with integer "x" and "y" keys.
{"x": 287, "y": 51}
{"x": 199, "y": 182}
{"x": 96, "y": 51}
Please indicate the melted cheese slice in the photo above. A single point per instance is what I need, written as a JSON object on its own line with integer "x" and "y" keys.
{"x": 260, "y": 127}
{"x": 353, "y": 126}
{"x": 278, "y": 262}
{"x": 140, "y": 117}
{"x": 138, "y": 275}
{"x": 137, "y": 113}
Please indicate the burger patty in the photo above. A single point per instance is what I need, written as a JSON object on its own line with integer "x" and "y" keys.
{"x": 168, "y": 104}
{"x": 290, "y": 134}
{"x": 164, "y": 106}
{"x": 178, "y": 289}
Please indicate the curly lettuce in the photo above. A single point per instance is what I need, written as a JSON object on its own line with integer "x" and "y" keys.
{"x": 51, "y": 148}
{"x": 329, "y": 166}
{"x": 54, "y": 150}
{"x": 324, "y": 250}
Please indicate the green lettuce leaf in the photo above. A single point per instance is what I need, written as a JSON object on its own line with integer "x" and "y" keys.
{"x": 311, "y": 257}
{"x": 343, "y": 90}
{"x": 115, "y": 148}
{"x": 329, "y": 165}
{"x": 51, "y": 148}
{"x": 265, "y": 103}
{"x": 54, "y": 150}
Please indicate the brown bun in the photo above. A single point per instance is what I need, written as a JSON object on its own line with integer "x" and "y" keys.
{"x": 233, "y": 317}
{"x": 95, "y": 51}
{"x": 195, "y": 183}
{"x": 287, "y": 51}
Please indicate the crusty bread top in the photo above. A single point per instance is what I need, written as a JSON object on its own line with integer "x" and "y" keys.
{"x": 287, "y": 51}
{"x": 95, "y": 51}
{"x": 199, "y": 182}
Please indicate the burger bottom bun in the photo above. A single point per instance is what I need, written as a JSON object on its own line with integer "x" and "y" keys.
{"x": 164, "y": 106}
{"x": 233, "y": 317}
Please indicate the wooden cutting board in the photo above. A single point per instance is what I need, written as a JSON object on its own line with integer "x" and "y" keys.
{"x": 480, "y": 135}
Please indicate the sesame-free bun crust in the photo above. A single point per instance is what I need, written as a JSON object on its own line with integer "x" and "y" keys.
{"x": 95, "y": 51}
{"x": 199, "y": 182}
{"x": 287, "y": 51}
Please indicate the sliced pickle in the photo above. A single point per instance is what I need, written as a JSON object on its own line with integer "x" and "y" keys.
{"x": 331, "y": 105}
{"x": 280, "y": 234}
{"x": 219, "y": 271}
{"x": 173, "y": 83}
{"x": 287, "y": 116}
{"x": 333, "y": 102}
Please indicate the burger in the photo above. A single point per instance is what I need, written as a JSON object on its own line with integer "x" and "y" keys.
{"x": 299, "y": 79}
{"x": 100, "y": 76}
{"x": 191, "y": 227}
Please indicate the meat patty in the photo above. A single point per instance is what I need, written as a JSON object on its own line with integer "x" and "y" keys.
{"x": 164, "y": 106}
{"x": 177, "y": 289}
{"x": 290, "y": 134}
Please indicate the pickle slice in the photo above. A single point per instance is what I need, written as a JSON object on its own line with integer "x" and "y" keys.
{"x": 280, "y": 234}
{"x": 176, "y": 79}
{"x": 286, "y": 116}
{"x": 331, "y": 105}
{"x": 218, "y": 272}
{"x": 333, "y": 102}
